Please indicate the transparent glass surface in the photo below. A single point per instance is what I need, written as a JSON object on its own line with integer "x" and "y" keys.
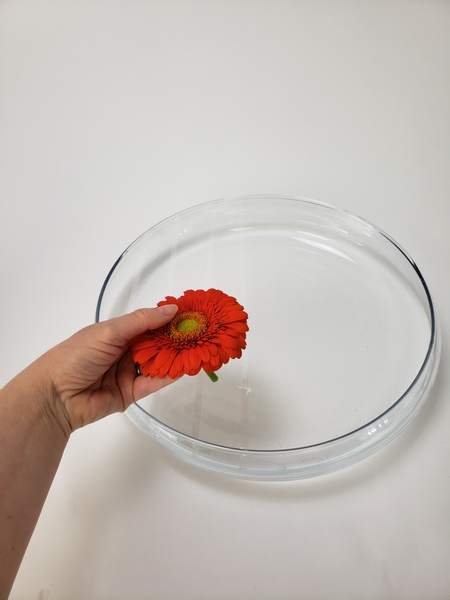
{"x": 342, "y": 349}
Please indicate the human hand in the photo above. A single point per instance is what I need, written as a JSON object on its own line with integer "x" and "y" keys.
{"x": 92, "y": 374}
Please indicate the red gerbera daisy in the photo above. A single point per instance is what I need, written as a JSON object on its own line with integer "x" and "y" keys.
{"x": 208, "y": 329}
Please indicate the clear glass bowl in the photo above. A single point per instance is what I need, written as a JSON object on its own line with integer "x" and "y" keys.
{"x": 343, "y": 345}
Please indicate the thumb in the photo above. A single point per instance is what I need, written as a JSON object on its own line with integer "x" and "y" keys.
{"x": 121, "y": 330}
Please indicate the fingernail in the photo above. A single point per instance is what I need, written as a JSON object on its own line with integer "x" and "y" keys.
{"x": 167, "y": 309}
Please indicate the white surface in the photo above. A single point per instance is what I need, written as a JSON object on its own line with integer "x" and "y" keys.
{"x": 118, "y": 114}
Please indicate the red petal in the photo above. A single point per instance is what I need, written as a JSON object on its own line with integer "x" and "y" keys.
{"x": 237, "y": 326}
{"x": 223, "y": 354}
{"x": 177, "y": 367}
{"x": 203, "y": 352}
{"x": 233, "y": 315}
{"x": 226, "y": 340}
{"x": 212, "y": 349}
{"x": 214, "y": 364}
{"x": 194, "y": 360}
{"x": 162, "y": 362}
{"x": 143, "y": 354}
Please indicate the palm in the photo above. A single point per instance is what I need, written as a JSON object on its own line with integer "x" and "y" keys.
{"x": 113, "y": 391}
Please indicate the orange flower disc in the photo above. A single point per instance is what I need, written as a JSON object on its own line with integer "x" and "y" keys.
{"x": 187, "y": 325}
{"x": 209, "y": 328}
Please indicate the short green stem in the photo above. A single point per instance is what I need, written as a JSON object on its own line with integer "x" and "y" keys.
{"x": 213, "y": 377}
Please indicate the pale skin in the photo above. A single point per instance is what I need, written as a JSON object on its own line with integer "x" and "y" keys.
{"x": 87, "y": 377}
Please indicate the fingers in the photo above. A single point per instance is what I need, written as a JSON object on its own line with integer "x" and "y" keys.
{"x": 121, "y": 330}
{"x": 134, "y": 387}
{"x": 143, "y": 386}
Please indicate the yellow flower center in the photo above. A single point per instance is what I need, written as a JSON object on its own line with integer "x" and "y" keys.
{"x": 187, "y": 325}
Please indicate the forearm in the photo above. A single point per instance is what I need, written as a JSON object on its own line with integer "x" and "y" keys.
{"x": 31, "y": 446}
{"x": 87, "y": 377}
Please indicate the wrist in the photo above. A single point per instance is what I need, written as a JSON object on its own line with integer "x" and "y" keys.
{"x": 34, "y": 389}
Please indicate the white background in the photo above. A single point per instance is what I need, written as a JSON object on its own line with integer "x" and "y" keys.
{"x": 117, "y": 114}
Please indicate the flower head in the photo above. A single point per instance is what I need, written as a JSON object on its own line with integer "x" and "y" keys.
{"x": 208, "y": 329}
